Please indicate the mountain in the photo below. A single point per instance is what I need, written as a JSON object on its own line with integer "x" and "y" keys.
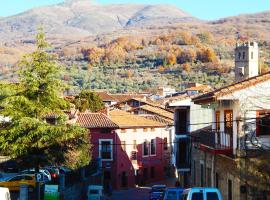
{"x": 75, "y": 18}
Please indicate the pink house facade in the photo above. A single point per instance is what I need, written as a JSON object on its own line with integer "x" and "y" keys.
{"x": 132, "y": 149}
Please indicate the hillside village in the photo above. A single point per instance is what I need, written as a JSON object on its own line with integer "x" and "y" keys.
{"x": 175, "y": 106}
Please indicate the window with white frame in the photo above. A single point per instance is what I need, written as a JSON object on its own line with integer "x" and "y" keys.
{"x": 145, "y": 148}
{"x": 105, "y": 149}
{"x": 153, "y": 147}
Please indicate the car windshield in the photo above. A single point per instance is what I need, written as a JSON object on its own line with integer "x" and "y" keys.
{"x": 158, "y": 189}
{"x": 93, "y": 191}
{"x": 171, "y": 195}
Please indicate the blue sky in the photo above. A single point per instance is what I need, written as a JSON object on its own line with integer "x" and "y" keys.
{"x": 204, "y": 9}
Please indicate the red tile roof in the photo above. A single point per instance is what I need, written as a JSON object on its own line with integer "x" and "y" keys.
{"x": 157, "y": 110}
{"x": 211, "y": 96}
{"x": 105, "y": 96}
{"x": 159, "y": 119}
{"x": 126, "y": 120}
{"x": 95, "y": 120}
{"x": 126, "y": 97}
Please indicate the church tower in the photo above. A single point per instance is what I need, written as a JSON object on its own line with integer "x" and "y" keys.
{"x": 246, "y": 60}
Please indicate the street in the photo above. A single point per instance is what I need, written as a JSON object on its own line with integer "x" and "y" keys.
{"x": 140, "y": 193}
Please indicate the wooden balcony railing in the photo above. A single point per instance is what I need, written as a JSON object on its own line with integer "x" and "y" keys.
{"x": 216, "y": 142}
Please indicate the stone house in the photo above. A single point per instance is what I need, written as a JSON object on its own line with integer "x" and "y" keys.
{"x": 223, "y": 156}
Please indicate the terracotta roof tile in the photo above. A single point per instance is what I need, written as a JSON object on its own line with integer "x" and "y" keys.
{"x": 159, "y": 119}
{"x": 105, "y": 96}
{"x": 126, "y": 97}
{"x": 233, "y": 87}
{"x": 157, "y": 110}
{"x": 95, "y": 120}
{"x": 126, "y": 120}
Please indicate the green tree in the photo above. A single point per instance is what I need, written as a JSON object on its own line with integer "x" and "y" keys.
{"x": 89, "y": 100}
{"x": 26, "y": 136}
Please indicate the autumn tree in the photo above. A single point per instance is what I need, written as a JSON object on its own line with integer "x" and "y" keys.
{"x": 26, "y": 136}
{"x": 206, "y": 55}
{"x": 170, "y": 59}
{"x": 188, "y": 55}
{"x": 186, "y": 67}
{"x": 95, "y": 55}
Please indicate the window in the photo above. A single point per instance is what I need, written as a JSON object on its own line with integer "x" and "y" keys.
{"x": 212, "y": 196}
{"x": 181, "y": 124}
{"x": 202, "y": 174}
{"x": 252, "y": 55}
{"x": 136, "y": 103}
{"x": 228, "y": 119}
{"x": 165, "y": 141}
{"x": 145, "y": 148}
{"x": 229, "y": 189}
{"x": 217, "y": 121}
{"x": 133, "y": 155}
{"x": 197, "y": 196}
{"x": 239, "y": 55}
{"x": 105, "y": 149}
{"x": 153, "y": 147}
{"x": 263, "y": 123}
{"x": 152, "y": 172}
{"x": 17, "y": 178}
{"x": 28, "y": 178}
{"x": 217, "y": 180}
{"x": 244, "y": 55}
{"x": 93, "y": 192}
{"x": 123, "y": 145}
{"x": 134, "y": 144}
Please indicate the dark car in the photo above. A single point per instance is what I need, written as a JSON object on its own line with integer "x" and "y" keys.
{"x": 157, "y": 192}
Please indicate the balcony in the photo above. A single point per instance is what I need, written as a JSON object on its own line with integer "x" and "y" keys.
{"x": 215, "y": 142}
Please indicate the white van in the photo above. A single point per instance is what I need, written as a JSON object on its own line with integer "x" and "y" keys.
{"x": 95, "y": 192}
{"x": 201, "y": 194}
{"x": 4, "y": 193}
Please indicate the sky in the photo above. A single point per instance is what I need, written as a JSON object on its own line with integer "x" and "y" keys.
{"x": 203, "y": 9}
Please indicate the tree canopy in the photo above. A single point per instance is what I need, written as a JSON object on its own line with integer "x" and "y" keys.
{"x": 26, "y": 136}
{"x": 88, "y": 100}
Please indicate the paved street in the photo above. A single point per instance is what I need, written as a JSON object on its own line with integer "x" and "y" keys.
{"x": 140, "y": 193}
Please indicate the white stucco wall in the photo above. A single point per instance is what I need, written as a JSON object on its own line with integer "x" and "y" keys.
{"x": 244, "y": 103}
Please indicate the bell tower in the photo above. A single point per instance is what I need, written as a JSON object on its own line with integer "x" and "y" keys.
{"x": 246, "y": 60}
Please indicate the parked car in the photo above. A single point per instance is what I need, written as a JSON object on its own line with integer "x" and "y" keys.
{"x": 13, "y": 183}
{"x": 157, "y": 192}
{"x": 173, "y": 194}
{"x": 95, "y": 192}
{"x": 59, "y": 170}
{"x": 4, "y": 193}
{"x": 201, "y": 194}
{"x": 10, "y": 166}
{"x": 45, "y": 172}
{"x": 54, "y": 174}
